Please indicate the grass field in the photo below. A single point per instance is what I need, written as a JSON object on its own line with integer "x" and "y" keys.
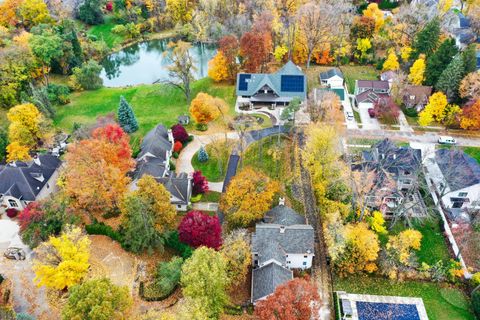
{"x": 104, "y": 32}
{"x": 152, "y": 104}
{"x": 442, "y": 302}
{"x": 352, "y": 73}
{"x": 215, "y": 167}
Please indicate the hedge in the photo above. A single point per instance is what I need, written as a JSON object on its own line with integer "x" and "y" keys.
{"x": 101, "y": 228}
{"x": 172, "y": 240}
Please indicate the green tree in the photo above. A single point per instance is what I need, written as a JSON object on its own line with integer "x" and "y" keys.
{"x": 97, "y": 299}
{"x": 87, "y": 77}
{"x": 202, "y": 154}
{"x": 126, "y": 117}
{"x": 449, "y": 80}
{"x": 90, "y": 12}
{"x": 46, "y": 47}
{"x": 426, "y": 40}
{"x": 469, "y": 56}
{"x": 3, "y": 143}
{"x": 204, "y": 279}
{"x": 438, "y": 61}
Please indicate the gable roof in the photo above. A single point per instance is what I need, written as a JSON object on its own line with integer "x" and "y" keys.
{"x": 420, "y": 94}
{"x": 331, "y": 73}
{"x": 288, "y": 82}
{"x": 179, "y": 186}
{"x": 25, "y": 180}
{"x": 459, "y": 169}
{"x": 284, "y": 216}
{"x": 369, "y": 96}
{"x": 373, "y": 84}
{"x": 152, "y": 166}
{"x": 156, "y": 143}
{"x": 267, "y": 278}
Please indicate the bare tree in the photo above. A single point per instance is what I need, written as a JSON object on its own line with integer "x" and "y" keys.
{"x": 287, "y": 10}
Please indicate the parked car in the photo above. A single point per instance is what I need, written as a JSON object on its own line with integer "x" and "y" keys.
{"x": 14, "y": 253}
{"x": 350, "y": 116}
{"x": 371, "y": 112}
{"x": 447, "y": 140}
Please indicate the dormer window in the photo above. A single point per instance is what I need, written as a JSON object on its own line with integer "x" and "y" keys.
{"x": 412, "y": 97}
{"x": 37, "y": 176}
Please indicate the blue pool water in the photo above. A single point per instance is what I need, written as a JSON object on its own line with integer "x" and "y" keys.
{"x": 386, "y": 311}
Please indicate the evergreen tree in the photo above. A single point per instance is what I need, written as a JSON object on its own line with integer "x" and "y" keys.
{"x": 90, "y": 12}
{"x": 469, "y": 57}
{"x": 426, "y": 40}
{"x": 449, "y": 81}
{"x": 126, "y": 117}
{"x": 202, "y": 155}
{"x": 439, "y": 61}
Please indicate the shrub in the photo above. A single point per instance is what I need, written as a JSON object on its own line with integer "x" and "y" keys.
{"x": 201, "y": 126}
{"x": 202, "y": 154}
{"x": 179, "y": 133}
{"x": 190, "y": 138}
{"x": 199, "y": 229}
{"x": 172, "y": 240}
{"x": 87, "y": 77}
{"x": 90, "y": 12}
{"x": 475, "y": 279}
{"x": 101, "y": 228}
{"x": 200, "y": 183}
{"x": 109, "y": 6}
{"x": 196, "y": 198}
{"x": 175, "y": 155}
{"x": 411, "y": 112}
{"x": 172, "y": 165}
{"x": 58, "y": 93}
{"x": 177, "y": 146}
{"x": 476, "y": 302}
{"x": 12, "y": 213}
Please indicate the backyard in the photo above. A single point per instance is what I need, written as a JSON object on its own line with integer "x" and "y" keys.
{"x": 104, "y": 32}
{"x": 442, "y": 301}
{"x": 352, "y": 73}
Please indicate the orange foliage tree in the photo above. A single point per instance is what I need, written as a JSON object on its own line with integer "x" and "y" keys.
{"x": 230, "y": 48}
{"x": 95, "y": 174}
{"x": 255, "y": 48}
{"x": 296, "y": 299}
{"x": 205, "y": 108}
{"x": 471, "y": 116}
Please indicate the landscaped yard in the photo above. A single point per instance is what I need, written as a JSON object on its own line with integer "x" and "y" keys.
{"x": 442, "y": 301}
{"x": 152, "y": 104}
{"x": 104, "y": 32}
{"x": 352, "y": 73}
{"x": 473, "y": 152}
{"x": 215, "y": 167}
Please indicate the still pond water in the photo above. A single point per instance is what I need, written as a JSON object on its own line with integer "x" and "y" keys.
{"x": 145, "y": 63}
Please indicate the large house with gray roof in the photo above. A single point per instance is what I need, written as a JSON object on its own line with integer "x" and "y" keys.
{"x": 272, "y": 89}
{"x": 24, "y": 182}
{"x": 154, "y": 160}
{"x": 282, "y": 241}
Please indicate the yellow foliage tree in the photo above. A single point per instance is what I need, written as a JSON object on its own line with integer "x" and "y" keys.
{"x": 17, "y": 152}
{"x": 403, "y": 243}
{"x": 405, "y": 53}
{"x": 391, "y": 63}
{"x": 445, "y": 5}
{"x": 434, "y": 110}
{"x": 249, "y": 195}
{"x": 237, "y": 255}
{"x": 180, "y": 10}
{"x": 374, "y": 12}
{"x": 25, "y": 125}
{"x": 62, "y": 261}
{"x": 376, "y": 222}
{"x": 280, "y": 52}
{"x": 8, "y": 12}
{"x": 205, "y": 108}
{"x": 417, "y": 72}
{"x": 363, "y": 45}
{"x": 34, "y": 12}
{"x": 217, "y": 68}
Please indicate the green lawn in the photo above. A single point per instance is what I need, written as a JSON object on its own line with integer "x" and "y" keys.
{"x": 442, "y": 302}
{"x": 352, "y": 73}
{"x": 211, "y": 196}
{"x": 473, "y": 152}
{"x": 104, "y": 32}
{"x": 152, "y": 104}
{"x": 215, "y": 167}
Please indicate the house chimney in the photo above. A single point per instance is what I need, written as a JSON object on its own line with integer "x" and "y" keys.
{"x": 36, "y": 159}
{"x": 282, "y": 229}
{"x": 281, "y": 201}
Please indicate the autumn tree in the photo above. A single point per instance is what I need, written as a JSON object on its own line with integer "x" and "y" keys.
{"x": 399, "y": 252}
{"x": 126, "y": 117}
{"x": 230, "y": 47}
{"x": 363, "y": 47}
{"x": 313, "y": 24}
{"x": 439, "y": 60}
{"x": 204, "y": 280}
{"x": 449, "y": 81}
{"x": 426, "y": 40}
{"x": 386, "y": 109}
{"x": 27, "y": 125}
{"x": 97, "y": 299}
{"x": 392, "y": 62}
{"x": 179, "y": 133}
{"x": 200, "y": 183}
{"x": 471, "y": 116}
{"x": 217, "y": 67}
{"x": 434, "y": 110}
{"x": 249, "y": 195}
{"x": 417, "y": 72}
{"x": 376, "y": 14}
{"x": 205, "y": 108}
{"x": 182, "y": 66}
{"x": 255, "y": 48}
{"x": 199, "y": 229}
{"x": 17, "y": 152}
{"x": 8, "y": 12}
{"x": 180, "y": 11}
{"x": 237, "y": 255}
{"x": 325, "y": 106}
{"x": 62, "y": 261}
{"x": 362, "y": 28}
{"x": 296, "y": 299}
{"x": 470, "y": 86}
{"x": 361, "y": 249}
{"x": 33, "y": 12}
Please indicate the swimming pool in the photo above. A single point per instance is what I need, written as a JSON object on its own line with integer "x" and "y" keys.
{"x": 386, "y": 311}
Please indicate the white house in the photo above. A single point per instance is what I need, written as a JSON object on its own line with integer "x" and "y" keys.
{"x": 282, "y": 242}
{"x": 332, "y": 78}
{"x": 457, "y": 180}
{"x": 24, "y": 182}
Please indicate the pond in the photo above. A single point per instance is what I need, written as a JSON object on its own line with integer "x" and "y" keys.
{"x": 145, "y": 63}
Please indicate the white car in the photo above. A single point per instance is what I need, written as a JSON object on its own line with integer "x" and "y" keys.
{"x": 446, "y": 140}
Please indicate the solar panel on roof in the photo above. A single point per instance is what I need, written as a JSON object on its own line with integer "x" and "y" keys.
{"x": 242, "y": 82}
{"x": 292, "y": 83}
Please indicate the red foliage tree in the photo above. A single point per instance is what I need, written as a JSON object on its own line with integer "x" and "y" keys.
{"x": 297, "y": 299}
{"x": 179, "y": 133}
{"x": 230, "y": 48}
{"x": 120, "y": 153}
{"x": 12, "y": 213}
{"x": 386, "y": 109}
{"x": 177, "y": 146}
{"x": 109, "y": 6}
{"x": 200, "y": 183}
{"x": 199, "y": 229}
{"x": 255, "y": 48}
{"x": 33, "y": 212}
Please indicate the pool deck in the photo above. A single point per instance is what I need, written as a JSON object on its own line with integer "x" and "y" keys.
{"x": 418, "y": 302}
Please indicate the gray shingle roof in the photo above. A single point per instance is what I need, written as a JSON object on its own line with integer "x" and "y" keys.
{"x": 459, "y": 169}
{"x": 331, "y": 73}
{"x": 178, "y": 185}
{"x": 273, "y": 81}
{"x": 283, "y": 215}
{"x": 373, "y": 84}
{"x": 267, "y": 278}
{"x": 152, "y": 166}
{"x": 26, "y": 180}
{"x": 156, "y": 143}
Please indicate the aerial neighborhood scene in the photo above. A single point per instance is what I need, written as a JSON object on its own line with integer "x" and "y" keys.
{"x": 250, "y": 159}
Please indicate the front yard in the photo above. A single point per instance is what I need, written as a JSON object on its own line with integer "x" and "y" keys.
{"x": 442, "y": 301}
